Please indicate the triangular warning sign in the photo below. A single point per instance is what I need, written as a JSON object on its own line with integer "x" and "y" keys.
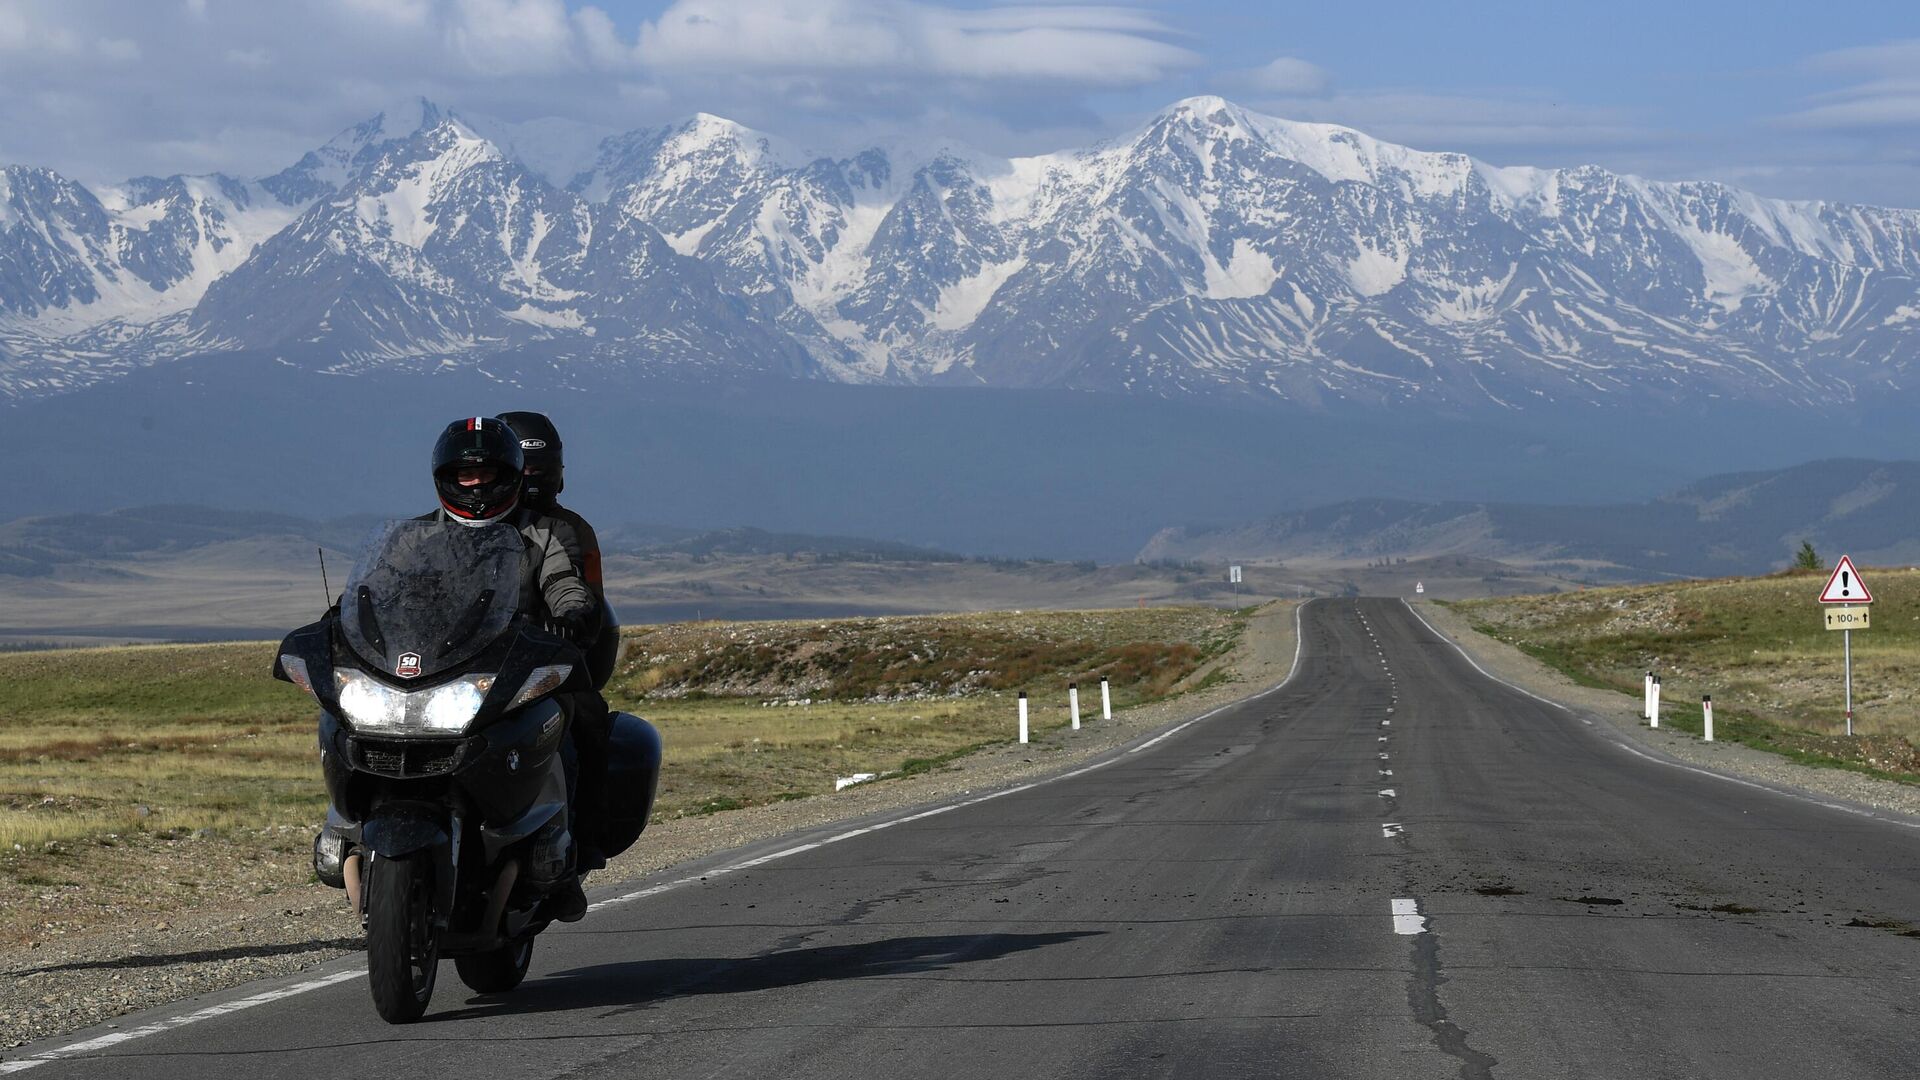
{"x": 1845, "y": 586}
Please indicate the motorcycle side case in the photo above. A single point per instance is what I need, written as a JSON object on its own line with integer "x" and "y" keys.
{"x": 633, "y": 776}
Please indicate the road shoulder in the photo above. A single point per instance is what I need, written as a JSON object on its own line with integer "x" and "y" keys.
{"x": 1620, "y": 712}
{"x": 65, "y": 985}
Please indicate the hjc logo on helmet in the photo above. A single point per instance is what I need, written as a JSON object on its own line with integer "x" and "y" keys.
{"x": 409, "y": 666}
{"x": 533, "y": 444}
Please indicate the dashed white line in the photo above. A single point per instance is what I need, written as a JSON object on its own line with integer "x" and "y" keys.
{"x": 1387, "y": 793}
{"x": 1392, "y": 829}
{"x": 1407, "y": 919}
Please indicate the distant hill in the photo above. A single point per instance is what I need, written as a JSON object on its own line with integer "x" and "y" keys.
{"x": 1739, "y": 523}
{"x": 751, "y": 541}
{"x": 97, "y": 544}
{"x": 36, "y": 546}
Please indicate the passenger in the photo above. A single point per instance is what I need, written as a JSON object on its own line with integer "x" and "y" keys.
{"x": 544, "y": 480}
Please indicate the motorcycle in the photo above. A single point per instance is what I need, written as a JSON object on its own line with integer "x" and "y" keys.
{"x": 447, "y": 758}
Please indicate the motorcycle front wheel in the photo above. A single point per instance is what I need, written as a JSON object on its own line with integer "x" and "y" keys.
{"x": 403, "y": 952}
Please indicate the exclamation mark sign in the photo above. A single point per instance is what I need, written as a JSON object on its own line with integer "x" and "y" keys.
{"x": 1846, "y": 586}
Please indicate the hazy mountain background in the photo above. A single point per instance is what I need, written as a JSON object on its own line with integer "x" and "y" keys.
{"x": 1216, "y": 316}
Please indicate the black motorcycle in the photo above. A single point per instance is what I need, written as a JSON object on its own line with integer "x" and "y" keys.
{"x": 447, "y": 758}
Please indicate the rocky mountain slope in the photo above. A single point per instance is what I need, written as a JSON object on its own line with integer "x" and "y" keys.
{"x": 1211, "y": 251}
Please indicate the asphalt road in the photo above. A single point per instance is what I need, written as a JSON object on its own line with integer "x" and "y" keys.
{"x": 1392, "y": 866}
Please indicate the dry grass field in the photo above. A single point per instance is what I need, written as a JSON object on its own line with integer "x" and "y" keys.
{"x": 112, "y": 759}
{"x": 1757, "y": 645}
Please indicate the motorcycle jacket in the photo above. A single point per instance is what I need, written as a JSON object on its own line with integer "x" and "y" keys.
{"x": 550, "y": 579}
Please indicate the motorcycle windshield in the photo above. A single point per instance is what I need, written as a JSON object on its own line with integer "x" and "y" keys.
{"x": 427, "y": 596}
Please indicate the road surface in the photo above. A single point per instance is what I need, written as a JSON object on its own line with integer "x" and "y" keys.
{"x": 1392, "y": 866}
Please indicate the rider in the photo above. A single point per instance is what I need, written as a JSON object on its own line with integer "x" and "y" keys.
{"x": 545, "y": 478}
{"x": 478, "y": 472}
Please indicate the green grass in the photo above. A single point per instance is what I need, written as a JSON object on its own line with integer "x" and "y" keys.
{"x": 168, "y": 740}
{"x": 1757, "y": 645}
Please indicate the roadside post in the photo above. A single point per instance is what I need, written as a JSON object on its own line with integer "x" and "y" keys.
{"x": 1233, "y": 575}
{"x": 1646, "y": 698}
{"x": 1706, "y": 712}
{"x": 1073, "y": 703}
{"x": 1653, "y": 711}
{"x": 1848, "y": 606}
{"x": 1023, "y": 716}
{"x": 1106, "y": 700}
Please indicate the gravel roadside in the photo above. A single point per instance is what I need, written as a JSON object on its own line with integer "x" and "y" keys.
{"x": 66, "y": 983}
{"x": 1623, "y": 713}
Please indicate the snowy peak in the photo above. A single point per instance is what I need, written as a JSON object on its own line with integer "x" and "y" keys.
{"x": 1211, "y": 250}
{"x": 397, "y": 195}
{"x": 344, "y": 157}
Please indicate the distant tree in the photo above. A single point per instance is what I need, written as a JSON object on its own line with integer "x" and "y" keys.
{"x": 1808, "y": 559}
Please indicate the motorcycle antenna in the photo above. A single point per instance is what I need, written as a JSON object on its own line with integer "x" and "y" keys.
{"x": 324, "y": 586}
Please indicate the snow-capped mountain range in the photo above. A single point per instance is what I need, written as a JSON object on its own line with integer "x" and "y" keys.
{"x": 1211, "y": 251}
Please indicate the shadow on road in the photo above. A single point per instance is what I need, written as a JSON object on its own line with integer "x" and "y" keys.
{"x": 237, "y": 952}
{"x": 638, "y": 983}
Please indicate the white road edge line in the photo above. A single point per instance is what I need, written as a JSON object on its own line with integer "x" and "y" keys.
{"x": 1842, "y": 807}
{"x": 1407, "y": 919}
{"x": 1464, "y": 655}
{"x": 1629, "y": 748}
{"x": 103, "y": 1041}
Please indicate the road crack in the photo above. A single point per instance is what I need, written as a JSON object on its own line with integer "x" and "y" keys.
{"x": 1423, "y": 996}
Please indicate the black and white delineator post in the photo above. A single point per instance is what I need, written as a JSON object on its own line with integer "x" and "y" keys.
{"x": 1073, "y": 703}
{"x": 1646, "y": 698}
{"x": 1106, "y": 701}
{"x": 1023, "y": 716}
{"x": 1653, "y": 711}
{"x": 1706, "y": 714}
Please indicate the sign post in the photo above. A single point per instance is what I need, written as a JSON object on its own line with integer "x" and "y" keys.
{"x": 1233, "y": 575}
{"x": 1849, "y": 597}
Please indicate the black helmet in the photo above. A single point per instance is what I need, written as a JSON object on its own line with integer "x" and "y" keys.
{"x": 540, "y": 445}
{"x": 474, "y": 443}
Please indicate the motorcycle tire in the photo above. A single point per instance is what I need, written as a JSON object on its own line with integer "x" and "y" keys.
{"x": 498, "y": 971}
{"x": 403, "y": 953}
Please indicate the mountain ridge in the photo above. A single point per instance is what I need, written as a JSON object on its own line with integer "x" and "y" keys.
{"x": 1211, "y": 251}
{"x": 1731, "y": 523}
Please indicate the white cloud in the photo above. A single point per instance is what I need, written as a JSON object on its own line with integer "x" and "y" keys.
{"x": 1885, "y": 93}
{"x": 118, "y": 49}
{"x": 1086, "y": 46}
{"x": 1288, "y": 76}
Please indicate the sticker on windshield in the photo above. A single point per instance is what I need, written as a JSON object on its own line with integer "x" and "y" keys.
{"x": 409, "y": 666}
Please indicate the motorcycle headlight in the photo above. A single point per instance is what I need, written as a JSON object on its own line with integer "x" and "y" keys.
{"x": 542, "y": 680}
{"x": 373, "y": 707}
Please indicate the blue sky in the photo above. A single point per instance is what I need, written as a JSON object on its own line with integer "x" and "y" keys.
{"x": 1804, "y": 100}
